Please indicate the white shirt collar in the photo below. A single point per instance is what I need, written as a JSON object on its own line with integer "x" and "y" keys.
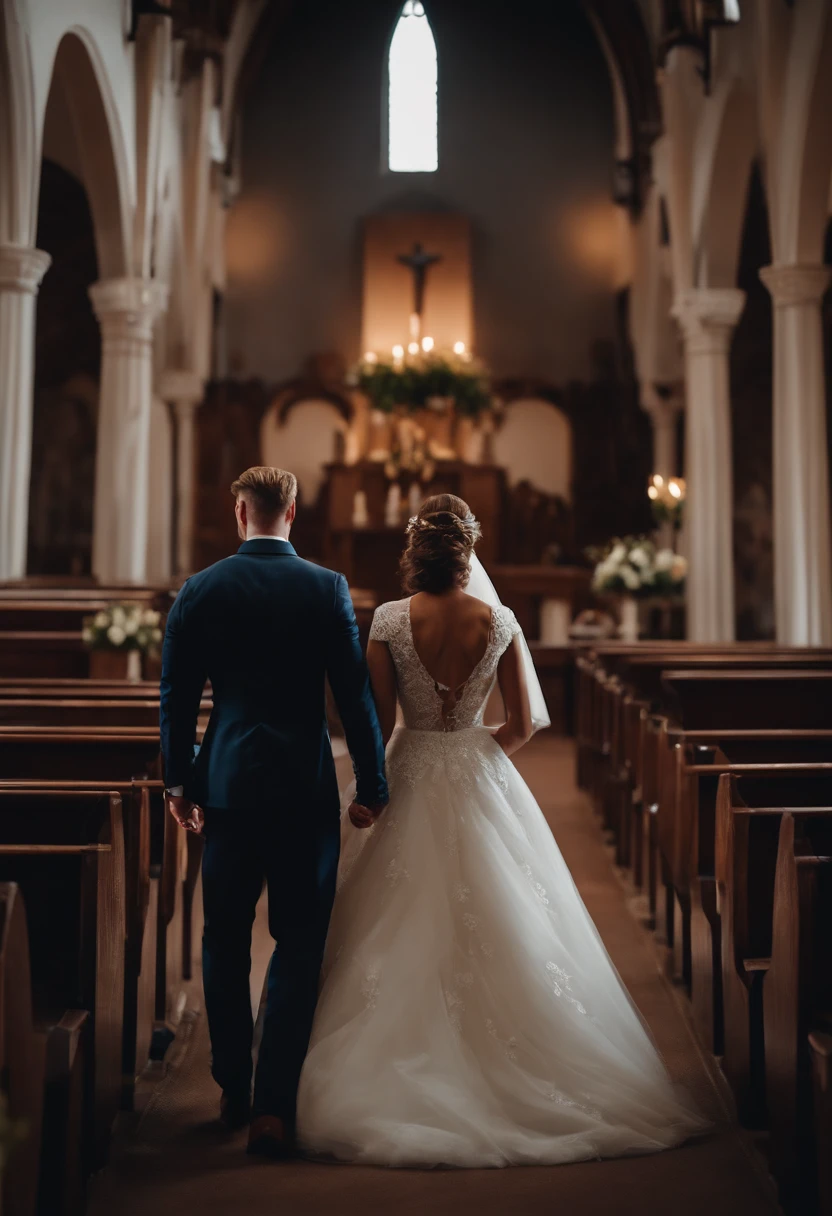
{"x": 262, "y": 536}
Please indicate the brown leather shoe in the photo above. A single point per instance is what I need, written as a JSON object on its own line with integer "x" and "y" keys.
{"x": 268, "y": 1137}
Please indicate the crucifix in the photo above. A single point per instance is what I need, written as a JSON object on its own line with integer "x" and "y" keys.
{"x": 418, "y": 262}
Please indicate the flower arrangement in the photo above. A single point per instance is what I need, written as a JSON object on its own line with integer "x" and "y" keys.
{"x": 123, "y": 627}
{"x": 632, "y": 565}
{"x": 425, "y": 379}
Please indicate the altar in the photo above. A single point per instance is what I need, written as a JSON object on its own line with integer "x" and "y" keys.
{"x": 368, "y": 552}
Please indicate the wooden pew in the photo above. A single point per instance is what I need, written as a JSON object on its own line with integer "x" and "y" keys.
{"x": 748, "y": 816}
{"x": 686, "y": 826}
{"x": 22, "y": 1057}
{"x": 161, "y": 879}
{"x": 58, "y": 712}
{"x": 41, "y": 687}
{"x": 65, "y": 849}
{"x": 637, "y": 668}
{"x": 50, "y": 653}
{"x": 820, "y": 1051}
{"x": 720, "y": 701}
{"x": 38, "y": 614}
{"x": 50, "y": 753}
{"x": 618, "y": 685}
{"x": 798, "y": 996}
{"x": 701, "y": 769}
{"x": 117, "y": 756}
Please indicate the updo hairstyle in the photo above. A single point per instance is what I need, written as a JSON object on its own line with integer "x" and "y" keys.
{"x": 440, "y": 541}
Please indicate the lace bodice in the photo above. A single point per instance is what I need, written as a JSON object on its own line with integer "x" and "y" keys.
{"x": 424, "y": 703}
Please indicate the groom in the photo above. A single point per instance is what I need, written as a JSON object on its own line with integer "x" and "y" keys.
{"x": 266, "y": 628}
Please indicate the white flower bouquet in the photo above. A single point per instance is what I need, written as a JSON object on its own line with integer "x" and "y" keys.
{"x": 123, "y": 627}
{"x": 632, "y": 565}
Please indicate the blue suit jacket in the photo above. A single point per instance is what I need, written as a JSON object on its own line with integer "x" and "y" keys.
{"x": 266, "y": 628}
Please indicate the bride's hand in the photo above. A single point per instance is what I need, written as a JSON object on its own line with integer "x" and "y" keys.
{"x": 361, "y": 816}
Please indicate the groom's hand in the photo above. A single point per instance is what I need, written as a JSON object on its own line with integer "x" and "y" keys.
{"x": 363, "y": 816}
{"x": 186, "y": 813}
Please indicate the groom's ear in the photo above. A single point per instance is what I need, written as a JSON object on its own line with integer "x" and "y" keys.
{"x": 292, "y": 512}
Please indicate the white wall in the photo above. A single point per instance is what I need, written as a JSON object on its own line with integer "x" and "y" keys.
{"x": 535, "y": 444}
{"x": 304, "y": 443}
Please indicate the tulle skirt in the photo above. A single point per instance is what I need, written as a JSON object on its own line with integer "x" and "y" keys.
{"x": 469, "y": 1012}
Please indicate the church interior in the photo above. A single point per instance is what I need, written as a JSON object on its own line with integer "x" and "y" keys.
{"x": 567, "y": 260}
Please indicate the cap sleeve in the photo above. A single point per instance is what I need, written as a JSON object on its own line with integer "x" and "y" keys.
{"x": 385, "y": 621}
{"x": 507, "y": 628}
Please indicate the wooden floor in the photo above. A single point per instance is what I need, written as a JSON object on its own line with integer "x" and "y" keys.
{"x": 173, "y": 1159}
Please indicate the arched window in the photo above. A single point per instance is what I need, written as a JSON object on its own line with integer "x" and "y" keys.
{"x": 411, "y": 85}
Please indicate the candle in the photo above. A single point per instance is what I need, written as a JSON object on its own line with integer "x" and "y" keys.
{"x": 360, "y": 516}
{"x": 392, "y": 511}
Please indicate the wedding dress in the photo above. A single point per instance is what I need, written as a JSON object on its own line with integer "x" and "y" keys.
{"x": 469, "y": 1013}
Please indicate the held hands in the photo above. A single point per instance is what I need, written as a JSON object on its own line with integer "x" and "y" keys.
{"x": 187, "y": 814}
{"x": 363, "y": 816}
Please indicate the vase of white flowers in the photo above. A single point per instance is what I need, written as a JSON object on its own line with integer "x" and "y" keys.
{"x": 118, "y": 638}
{"x": 632, "y": 568}
{"x": 628, "y": 618}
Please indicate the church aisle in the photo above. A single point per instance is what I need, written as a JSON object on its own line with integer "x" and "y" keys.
{"x": 176, "y": 1161}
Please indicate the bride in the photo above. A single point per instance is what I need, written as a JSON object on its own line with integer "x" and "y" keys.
{"x": 469, "y": 1014}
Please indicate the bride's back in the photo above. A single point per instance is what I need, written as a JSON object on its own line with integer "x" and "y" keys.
{"x": 450, "y": 634}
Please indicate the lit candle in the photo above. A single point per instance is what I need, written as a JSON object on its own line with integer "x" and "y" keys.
{"x": 398, "y": 352}
{"x": 413, "y": 348}
{"x": 427, "y": 344}
{"x": 370, "y": 356}
{"x": 459, "y": 348}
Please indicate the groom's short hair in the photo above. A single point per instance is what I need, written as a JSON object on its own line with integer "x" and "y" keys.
{"x": 269, "y": 492}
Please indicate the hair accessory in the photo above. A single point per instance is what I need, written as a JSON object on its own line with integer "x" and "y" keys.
{"x": 469, "y": 526}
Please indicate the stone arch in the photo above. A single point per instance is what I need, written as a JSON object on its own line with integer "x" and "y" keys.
{"x": 727, "y": 144}
{"x": 18, "y": 134}
{"x": 808, "y": 156}
{"x": 81, "y": 131}
{"x": 534, "y": 444}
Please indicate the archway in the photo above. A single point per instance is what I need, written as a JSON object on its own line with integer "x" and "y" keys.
{"x": 534, "y": 444}
{"x": 82, "y": 224}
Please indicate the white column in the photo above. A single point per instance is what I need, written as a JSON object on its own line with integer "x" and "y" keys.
{"x": 184, "y": 390}
{"x": 160, "y": 506}
{"x": 707, "y": 317}
{"x": 126, "y": 310}
{"x": 802, "y": 561}
{"x": 21, "y": 271}
{"x": 663, "y": 409}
